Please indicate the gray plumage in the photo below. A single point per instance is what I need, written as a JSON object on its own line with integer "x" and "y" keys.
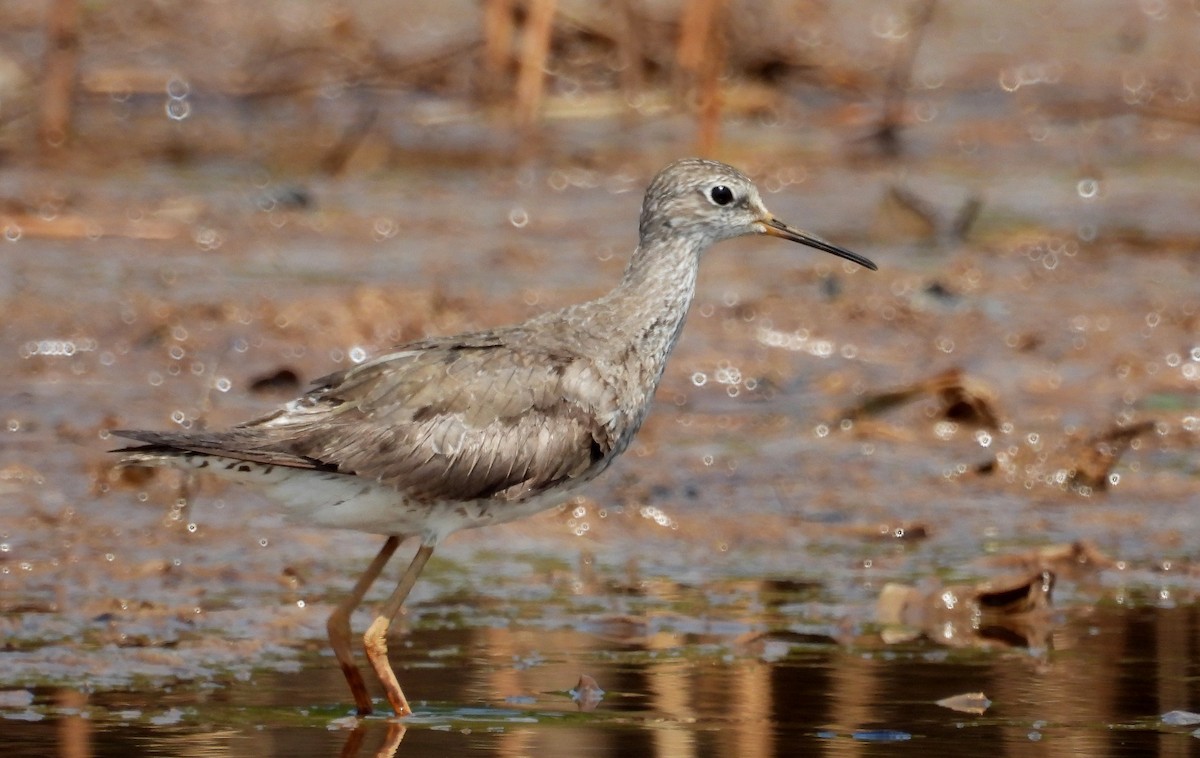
{"x": 457, "y": 432}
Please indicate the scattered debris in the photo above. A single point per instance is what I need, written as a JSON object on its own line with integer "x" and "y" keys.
{"x": 1073, "y": 560}
{"x": 587, "y": 694}
{"x": 1094, "y": 459}
{"x": 889, "y": 532}
{"x": 967, "y": 702}
{"x": 1084, "y": 465}
{"x": 968, "y": 212}
{"x": 904, "y": 214}
{"x": 280, "y": 380}
{"x": 899, "y": 80}
{"x": 963, "y": 399}
{"x": 775, "y": 644}
{"x": 1009, "y": 613}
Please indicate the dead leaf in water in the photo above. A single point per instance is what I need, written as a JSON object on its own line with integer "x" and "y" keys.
{"x": 1074, "y": 560}
{"x": 1017, "y": 597}
{"x": 1094, "y": 460}
{"x": 899, "y": 532}
{"x": 761, "y": 644}
{"x": 968, "y": 702}
{"x": 1083, "y": 466}
{"x": 282, "y": 379}
{"x": 587, "y": 694}
{"x": 1007, "y": 612}
{"x": 903, "y": 213}
{"x": 963, "y": 399}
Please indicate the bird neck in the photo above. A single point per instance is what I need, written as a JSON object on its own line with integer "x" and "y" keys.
{"x": 655, "y": 293}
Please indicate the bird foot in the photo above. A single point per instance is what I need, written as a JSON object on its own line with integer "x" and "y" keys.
{"x": 375, "y": 643}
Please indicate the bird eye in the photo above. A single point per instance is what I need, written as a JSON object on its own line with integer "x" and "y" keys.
{"x": 721, "y": 195}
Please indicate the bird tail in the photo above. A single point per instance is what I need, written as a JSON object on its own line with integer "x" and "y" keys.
{"x": 186, "y": 449}
{"x": 160, "y": 448}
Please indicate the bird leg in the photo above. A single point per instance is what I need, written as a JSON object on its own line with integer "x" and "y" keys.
{"x": 338, "y": 625}
{"x": 375, "y": 640}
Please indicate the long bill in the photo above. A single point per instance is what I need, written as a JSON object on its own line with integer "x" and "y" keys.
{"x": 777, "y": 228}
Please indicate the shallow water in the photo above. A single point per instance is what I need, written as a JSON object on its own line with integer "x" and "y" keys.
{"x": 727, "y": 583}
{"x": 500, "y": 691}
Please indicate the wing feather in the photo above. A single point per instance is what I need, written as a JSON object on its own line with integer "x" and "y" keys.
{"x": 452, "y": 422}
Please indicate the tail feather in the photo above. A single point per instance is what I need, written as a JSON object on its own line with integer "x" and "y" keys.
{"x": 162, "y": 448}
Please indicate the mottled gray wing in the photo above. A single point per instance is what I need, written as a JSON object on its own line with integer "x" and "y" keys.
{"x": 452, "y": 420}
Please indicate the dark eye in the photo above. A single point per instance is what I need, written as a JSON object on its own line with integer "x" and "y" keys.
{"x": 721, "y": 195}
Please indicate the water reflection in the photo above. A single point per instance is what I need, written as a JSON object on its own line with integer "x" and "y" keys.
{"x": 1100, "y": 689}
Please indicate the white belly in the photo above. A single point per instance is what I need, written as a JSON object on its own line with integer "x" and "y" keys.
{"x": 339, "y": 501}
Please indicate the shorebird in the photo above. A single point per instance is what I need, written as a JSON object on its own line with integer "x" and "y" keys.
{"x": 452, "y": 433}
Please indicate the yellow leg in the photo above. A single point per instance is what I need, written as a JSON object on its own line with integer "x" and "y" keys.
{"x": 338, "y": 625}
{"x": 375, "y": 640}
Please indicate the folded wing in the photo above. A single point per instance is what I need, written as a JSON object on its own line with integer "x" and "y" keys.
{"x": 437, "y": 420}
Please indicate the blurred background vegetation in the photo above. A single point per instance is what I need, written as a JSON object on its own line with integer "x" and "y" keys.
{"x": 333, "y": 86}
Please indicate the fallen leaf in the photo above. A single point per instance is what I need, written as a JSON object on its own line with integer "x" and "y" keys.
{"x": 587, "y": 694}
{"x": 1009, "y": 612}
{"x": 968, "y": 702}
{"x": 1093, "y": 460}
{"x": 963, "y": 399}
{"x": 282, "y": 379}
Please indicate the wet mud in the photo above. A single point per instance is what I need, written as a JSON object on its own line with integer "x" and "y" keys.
{"x": 972, "y": 476}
